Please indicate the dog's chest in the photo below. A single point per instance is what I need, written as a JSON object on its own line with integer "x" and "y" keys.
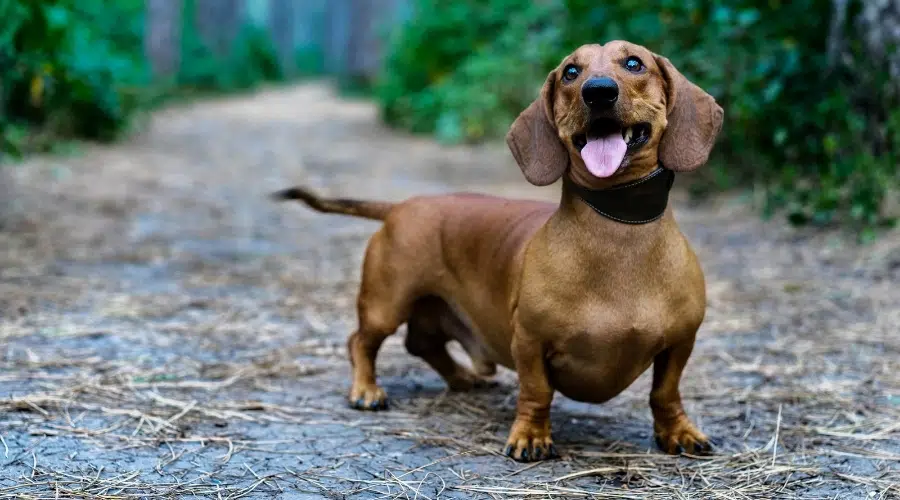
{"x": 600, "y": 361}
{"x": 597, "y": 352}
{"x": 604, "y": 328}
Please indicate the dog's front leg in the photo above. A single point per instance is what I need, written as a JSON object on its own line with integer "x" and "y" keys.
{"x": 529, "y": 440}
{"x": 673, "y": 430}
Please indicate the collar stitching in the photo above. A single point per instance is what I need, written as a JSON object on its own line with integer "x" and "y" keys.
{"x": 624, "y": 221}
{"x": 637, "y": 182}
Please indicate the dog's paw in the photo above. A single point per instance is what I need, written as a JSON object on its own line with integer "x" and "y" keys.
{"x": 529, "y": 444}
{"x": 484, "y": 368}
{"x": 682, "y": 437}
{"x": 371, "y": 398}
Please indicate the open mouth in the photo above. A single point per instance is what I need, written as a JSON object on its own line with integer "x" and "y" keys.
{"x": 604, "y": 146}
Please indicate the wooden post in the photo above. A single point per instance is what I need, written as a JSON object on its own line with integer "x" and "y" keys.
{"x": 369, "y": 21}
{"x": 162, "y": 36}
{"x": 337, "y": 36}
{"x": 281, "y": 29}
{"x": 218, "y": 22}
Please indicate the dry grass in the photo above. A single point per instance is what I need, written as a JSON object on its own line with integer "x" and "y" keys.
{"x": 175, "y": 415}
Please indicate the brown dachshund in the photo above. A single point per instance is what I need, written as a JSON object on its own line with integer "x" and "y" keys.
{"x": 580, "y": 297}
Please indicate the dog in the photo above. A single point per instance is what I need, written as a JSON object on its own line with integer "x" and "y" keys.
{"x": 579, "y": 297}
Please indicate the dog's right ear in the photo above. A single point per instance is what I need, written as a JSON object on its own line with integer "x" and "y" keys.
{"x": 694, "y": 121}
{"x": 534, "y": 140}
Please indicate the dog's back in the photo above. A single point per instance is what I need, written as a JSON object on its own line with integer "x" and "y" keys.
{"x": 463, "y": 248}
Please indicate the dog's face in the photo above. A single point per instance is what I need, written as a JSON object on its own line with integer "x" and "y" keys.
{"x": 609, "y": 107}
{"x": 613, "y": 112}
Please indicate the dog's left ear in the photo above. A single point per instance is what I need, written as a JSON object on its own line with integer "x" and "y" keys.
{"x": 534, "y": 140}
{"x": 694, "y": 121}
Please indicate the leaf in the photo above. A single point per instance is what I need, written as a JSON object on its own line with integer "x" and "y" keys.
{"x": 57, "y": 17}
{"x": 748, "y": 17}
{"x": 830, "y": 144}
{"x": 781, "y": 135}
{"x": 13, "y": 15}
{"x": 772, "y": 91}
{"x": 36, "y": 90}
{"x": 449, "y": 128}
{"x": 867, "y": 236}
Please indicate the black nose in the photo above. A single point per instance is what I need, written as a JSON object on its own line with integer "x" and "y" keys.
{"x": 600, "y": 92}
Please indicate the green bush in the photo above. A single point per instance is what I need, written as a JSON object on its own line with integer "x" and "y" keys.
{"x": 462, "y": 70}
{"x": 65, "y": 72}
{"x": 820, "y": 137}
{"x": 77, "y": 69}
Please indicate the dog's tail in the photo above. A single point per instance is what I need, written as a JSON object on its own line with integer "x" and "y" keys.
{"x": 376, "y": 210}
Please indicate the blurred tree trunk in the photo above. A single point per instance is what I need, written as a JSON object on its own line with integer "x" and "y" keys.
{"x": 362, "y": 50}
{"x": 864, "y": 41}
{"x": 337, "y": 35}
{"x": 281, "y": 28}
{"x": 365, "y": 47}
{"x": 218, "y": 22}
{"x": 162, "y": 36}
{"x": 879, "y": 24}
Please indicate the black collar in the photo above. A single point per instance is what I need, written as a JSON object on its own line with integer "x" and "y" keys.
{"x": 637, "y": 202}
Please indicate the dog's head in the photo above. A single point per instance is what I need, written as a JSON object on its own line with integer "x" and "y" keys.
{"x": 614, "y": 111}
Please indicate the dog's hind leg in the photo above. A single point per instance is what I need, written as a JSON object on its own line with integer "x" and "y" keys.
{"x": 457, "y": 329}
{"x": 385, "y": 302}
{"x": 431, "y": 325}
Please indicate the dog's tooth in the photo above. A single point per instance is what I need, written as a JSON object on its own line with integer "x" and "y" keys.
{"x": 628, "y": 133}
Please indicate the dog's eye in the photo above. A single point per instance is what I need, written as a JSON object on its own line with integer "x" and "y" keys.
{"x": 570, "y": 73}
{"x": 634, "y": 64}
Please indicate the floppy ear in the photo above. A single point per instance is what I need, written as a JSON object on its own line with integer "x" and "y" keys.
{"x": 694, "y": 122}
{"x": 534, "y": 140}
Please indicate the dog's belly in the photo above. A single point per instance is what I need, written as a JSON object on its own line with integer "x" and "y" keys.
{"x": 493, "y": 347}
{"x": 596, "y": 367}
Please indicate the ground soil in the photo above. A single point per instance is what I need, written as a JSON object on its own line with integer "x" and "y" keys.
{"x": 168, "y": 331}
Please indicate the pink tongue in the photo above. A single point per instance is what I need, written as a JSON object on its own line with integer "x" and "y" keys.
{"x": 604, "y": 155}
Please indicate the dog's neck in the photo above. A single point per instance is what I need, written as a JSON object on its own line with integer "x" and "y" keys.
{"x": 636, "y": 202}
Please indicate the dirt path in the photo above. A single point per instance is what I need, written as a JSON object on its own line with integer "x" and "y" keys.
{"x": 169, "y": 332}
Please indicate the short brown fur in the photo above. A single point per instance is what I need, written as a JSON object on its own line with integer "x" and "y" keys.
{"x": 570, "y": 300}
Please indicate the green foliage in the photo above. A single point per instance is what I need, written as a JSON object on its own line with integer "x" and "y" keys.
{"x": 820, "y": 136}
{"x": 62, "y": 73}
{"x": 309, "y": 60}
{"x": 252, "y": 59}
{"x": 77, "y": 69}
{"x": 463, "y": 70}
